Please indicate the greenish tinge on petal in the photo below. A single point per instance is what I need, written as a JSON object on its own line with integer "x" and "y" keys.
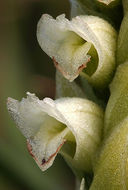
{"x": 122, "y": 46}
{"x": 117, "y": 107}
{"x": 73, "y": 125}
{"x": 85, "y": 43}
{"x": 111, "y": 172}
{"x": 64, "y": 88}
{"x": 93, "y": 63}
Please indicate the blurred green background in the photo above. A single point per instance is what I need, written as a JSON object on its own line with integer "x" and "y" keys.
{"x": 25, "y": 67}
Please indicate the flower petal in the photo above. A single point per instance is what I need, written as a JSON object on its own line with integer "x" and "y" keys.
{"x": 27, "y": 114}
{"x": 85, "y": 120}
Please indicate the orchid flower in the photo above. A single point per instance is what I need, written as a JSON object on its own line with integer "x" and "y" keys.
{"x": 73, "y": 125}
{"x": 85, "y": 42}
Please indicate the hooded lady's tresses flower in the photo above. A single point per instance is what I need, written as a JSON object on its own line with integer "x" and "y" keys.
{"x": 85, "y": 42}
{"x": 70, "y": 124}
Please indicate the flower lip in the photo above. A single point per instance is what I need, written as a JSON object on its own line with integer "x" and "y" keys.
{"x": 80, "y": 68}
{"x": 44, "y": 162}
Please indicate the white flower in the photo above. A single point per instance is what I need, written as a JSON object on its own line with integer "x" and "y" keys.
{"x": 84, "y": 42}
{"x": 70, "y": 124}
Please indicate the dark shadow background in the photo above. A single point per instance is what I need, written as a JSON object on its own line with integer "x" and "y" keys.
{"x": 25, "y": 67}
